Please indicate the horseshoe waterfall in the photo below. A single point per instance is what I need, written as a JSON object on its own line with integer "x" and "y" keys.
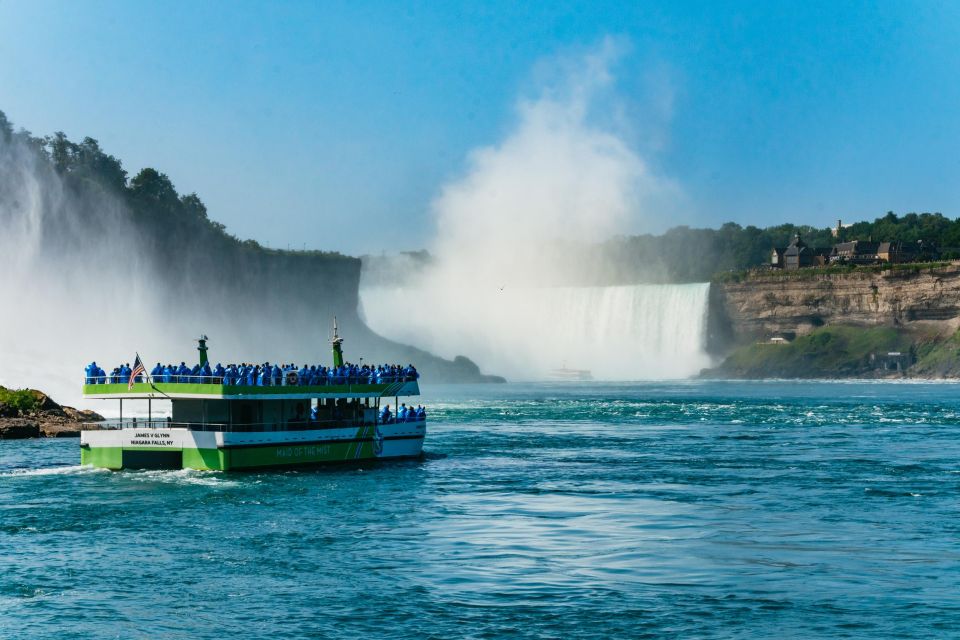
{"x": 633, "y": 332}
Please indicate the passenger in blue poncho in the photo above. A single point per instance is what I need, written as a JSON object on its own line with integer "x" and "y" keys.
{"x": 385, "y": 415}
{"x": 265, "y": 377}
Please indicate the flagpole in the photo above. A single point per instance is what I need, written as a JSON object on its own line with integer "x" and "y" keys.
{"x": 141, "y": 369}
{"x": 153, "y": 386}
{"x": 146, "y": 376}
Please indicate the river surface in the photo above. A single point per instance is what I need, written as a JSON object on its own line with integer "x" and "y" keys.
{"x": 660, "y": 510}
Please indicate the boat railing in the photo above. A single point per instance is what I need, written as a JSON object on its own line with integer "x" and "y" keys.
{"x": 163, "y": 423}
{"x": 283, "y": 381}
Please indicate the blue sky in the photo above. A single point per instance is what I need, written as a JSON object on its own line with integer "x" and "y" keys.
{"x": 335, "y": 125}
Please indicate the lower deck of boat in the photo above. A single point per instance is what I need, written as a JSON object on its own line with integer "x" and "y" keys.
{"x": 182, "y": 447}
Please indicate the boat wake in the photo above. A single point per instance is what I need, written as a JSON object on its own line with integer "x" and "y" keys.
{"x": 53, "y": 471}
{"x": 182, "y": 476}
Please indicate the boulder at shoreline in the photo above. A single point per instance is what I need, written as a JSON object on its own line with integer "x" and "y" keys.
{"x": 29, "y": 413}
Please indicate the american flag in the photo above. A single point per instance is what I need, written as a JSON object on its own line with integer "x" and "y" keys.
{"x": 138, "y": 369}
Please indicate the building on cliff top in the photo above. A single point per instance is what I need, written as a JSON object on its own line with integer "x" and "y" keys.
{"x": 868, "y": 252}
{"x": 799, "y": 255}
{"x": 855, "y": 252}
{"x": 897, "y": 252}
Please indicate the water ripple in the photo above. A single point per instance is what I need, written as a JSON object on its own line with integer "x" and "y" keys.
{"x": 705, "y": 509}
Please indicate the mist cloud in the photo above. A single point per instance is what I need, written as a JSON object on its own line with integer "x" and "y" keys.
{"x": 510, "y": 236}
{"x": 559, "y": 176}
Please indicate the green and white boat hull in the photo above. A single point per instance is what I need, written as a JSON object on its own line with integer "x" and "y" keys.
{"x": 184, "y": 448}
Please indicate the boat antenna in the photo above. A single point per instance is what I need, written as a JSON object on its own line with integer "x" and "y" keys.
{"x": 202, "y": 348}
{"x": 337, "y": 341}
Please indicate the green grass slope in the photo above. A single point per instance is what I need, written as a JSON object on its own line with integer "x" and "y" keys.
{"x": 829, "y": 352}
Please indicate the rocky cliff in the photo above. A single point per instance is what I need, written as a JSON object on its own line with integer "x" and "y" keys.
{"x": 916, "y": 308}
{"x": 765, "y": 304}
{"x": 29, "y": 413}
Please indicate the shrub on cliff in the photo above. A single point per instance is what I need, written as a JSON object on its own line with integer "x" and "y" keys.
{"x": 939, "y": 359}
{"x": 21, "y": 400}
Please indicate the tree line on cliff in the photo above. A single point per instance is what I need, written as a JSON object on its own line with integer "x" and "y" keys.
{"x": 684, "y": 254}
{"x": 171, "y": 223}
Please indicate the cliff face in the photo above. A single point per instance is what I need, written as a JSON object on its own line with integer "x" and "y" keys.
{"x": 285, "y": 301}
{"x": 794, "y": 304}
{"x": 860, "y": 323}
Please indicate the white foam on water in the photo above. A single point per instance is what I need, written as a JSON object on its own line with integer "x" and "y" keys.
{"x": 54, "y": 471}
{"x": 184, "y": 476}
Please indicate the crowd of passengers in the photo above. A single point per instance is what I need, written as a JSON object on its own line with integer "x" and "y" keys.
{"x": 406, "y": 414}
{"x": 259, "y": 375}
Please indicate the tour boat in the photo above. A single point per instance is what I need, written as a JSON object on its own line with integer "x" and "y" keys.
{"x": 233, "y": 426}
{"x": 570, "y": 375}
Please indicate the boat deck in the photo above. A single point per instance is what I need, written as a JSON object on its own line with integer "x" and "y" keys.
{"x": 172, "y": 390}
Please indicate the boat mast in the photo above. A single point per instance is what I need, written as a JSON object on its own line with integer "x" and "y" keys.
{"x": 203, "y": 349}
{"x": 337, "y": 349}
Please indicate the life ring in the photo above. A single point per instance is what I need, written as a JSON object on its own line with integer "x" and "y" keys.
{"x": 292, "y": 378}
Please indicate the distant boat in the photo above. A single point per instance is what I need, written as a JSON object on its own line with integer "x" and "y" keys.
{"x": 569, "y": 375}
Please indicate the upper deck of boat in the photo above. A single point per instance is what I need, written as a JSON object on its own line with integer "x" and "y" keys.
{"x": 209, "y": 391}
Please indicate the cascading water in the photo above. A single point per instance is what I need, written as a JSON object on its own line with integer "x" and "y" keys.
{"x": 618, "y": 333}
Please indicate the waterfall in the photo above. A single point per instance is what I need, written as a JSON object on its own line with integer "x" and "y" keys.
{"x": 618, "y": 333}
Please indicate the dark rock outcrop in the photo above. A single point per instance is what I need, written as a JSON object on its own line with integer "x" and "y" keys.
{"x": 18, "y": 428}
{"x": 45, "y": 418}
{"x": 470, "y": 372}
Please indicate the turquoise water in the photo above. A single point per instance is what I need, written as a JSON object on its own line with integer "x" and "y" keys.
{"x": 703, "y": 509}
